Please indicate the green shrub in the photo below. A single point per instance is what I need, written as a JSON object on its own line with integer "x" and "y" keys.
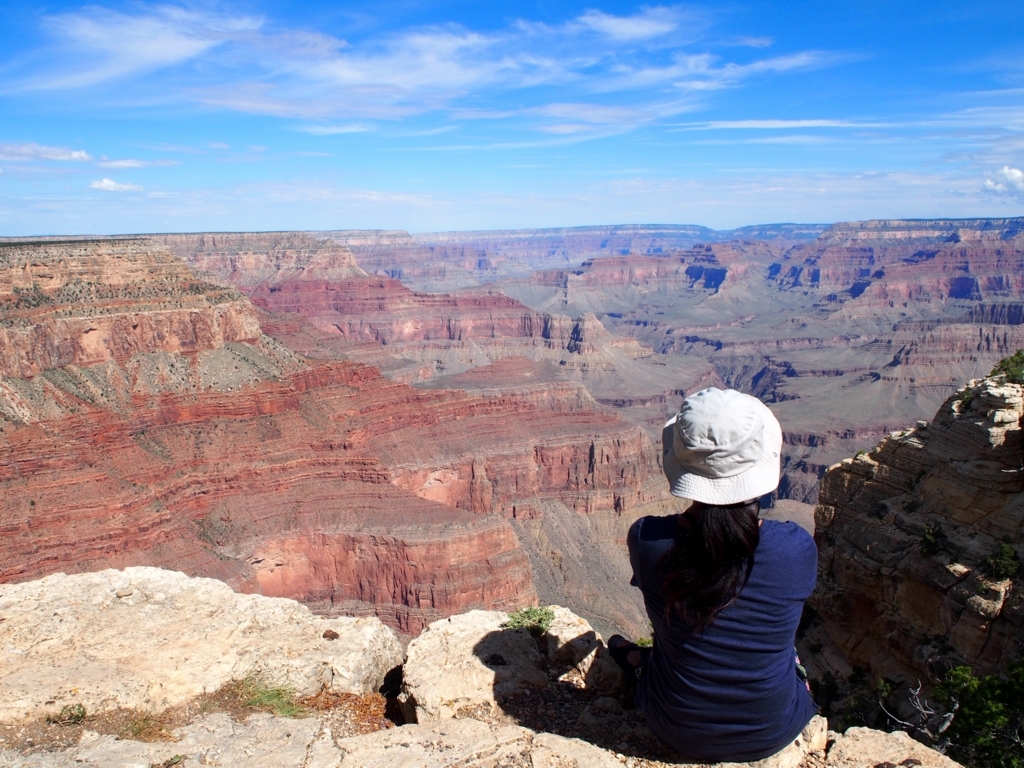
{"x": 966, "y": 398}
{"x": 1012, "y": 367}
{"x": 280, "y": 701}
{"x": 1003, "y": 563}
{"x": 989, "y": 720}
{"x": 70, "y": 714}
{"x": 536, "y": 620}
{"x": 933, "y": 539}
{"x": 645, "y": 642}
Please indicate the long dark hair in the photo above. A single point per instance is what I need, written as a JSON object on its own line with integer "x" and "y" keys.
{"x": 709, "y": 564}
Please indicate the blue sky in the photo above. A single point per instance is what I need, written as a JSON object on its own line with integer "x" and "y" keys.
{"x": 427, "y": 116}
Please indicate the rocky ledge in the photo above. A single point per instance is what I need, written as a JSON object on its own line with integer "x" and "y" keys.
{"x": 77, "y": 648}
{"x": 911, "y": 535}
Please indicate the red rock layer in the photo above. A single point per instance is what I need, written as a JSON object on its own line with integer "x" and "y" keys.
{"x": 234, "y": 459}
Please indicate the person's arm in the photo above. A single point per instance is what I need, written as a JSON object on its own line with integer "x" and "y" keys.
{"x": 633, "y": 545}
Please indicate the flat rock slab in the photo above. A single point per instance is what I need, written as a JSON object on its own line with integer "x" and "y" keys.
{"x": 867, "y": 748}
{"x": 216, "y": 740}
{"x": 149, "y": 639}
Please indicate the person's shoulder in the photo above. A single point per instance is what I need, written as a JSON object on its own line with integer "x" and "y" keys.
{"x": 654, "y": 527}
{"x": 790, "y": 535}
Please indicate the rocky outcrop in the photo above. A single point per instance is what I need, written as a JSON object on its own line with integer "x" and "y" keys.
{"x": 249, "y": 259}
{"x": 87, "y": 302}
{"x": 907, "y": 533}
{"x": 474, "y": 661}
{"x": 148, "y": 639}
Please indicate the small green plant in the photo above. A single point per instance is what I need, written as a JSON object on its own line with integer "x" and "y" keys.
{"x": 536, "y": 620}
{"x": 933, "y": 539}
{"x": 860, "y": 453}
{"x": 280, "y": 701}
{"x": 988, "y": 717}
{"x": 966, "y": 398}
{"x": 883, "y": 689}
{"x": 645, "y": 642}
{"x": 1012, "y": 367}
{"x": 70, "y": 714}
{"x": 1003, "y": 563}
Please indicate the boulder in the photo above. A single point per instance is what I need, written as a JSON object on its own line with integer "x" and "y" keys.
{"x": 868, "y": 748}
{"x": 468, "y": 660}
{"x": 573, "y": 643}
{"x": 148, "y": 639}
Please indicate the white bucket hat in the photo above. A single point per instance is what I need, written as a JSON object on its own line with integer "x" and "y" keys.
{"x": 723, "y": 447}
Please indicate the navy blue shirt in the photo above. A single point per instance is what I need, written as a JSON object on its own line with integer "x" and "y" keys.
{"x": 731, "y": 693}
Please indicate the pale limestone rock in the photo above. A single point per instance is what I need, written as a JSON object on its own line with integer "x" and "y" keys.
{"x": 572, "y": 642}
{"x": 813, "y": 738}
{"x": 466, "y": 661}
{"x": 867, "y": 748}
{"x": 166, "y": 639}
{"x": 470, "y": 743}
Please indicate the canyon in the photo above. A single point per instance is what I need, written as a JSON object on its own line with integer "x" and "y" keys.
{"x": 413, "y": 425}
{"x": 145, "y": 418}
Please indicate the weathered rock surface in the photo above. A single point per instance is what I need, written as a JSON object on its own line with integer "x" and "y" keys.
{"x": 473, "y": 660}
{"x": 466, "y": 661}
{"x": 868, "y": 748}
{"x": 87, "y": 302}
{"x": 149, "y": 639}
{"x": 904, "y": 532}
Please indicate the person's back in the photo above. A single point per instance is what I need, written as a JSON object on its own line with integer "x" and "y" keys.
{"x": 723, "y": 590}
{"x": 730, "y": 692}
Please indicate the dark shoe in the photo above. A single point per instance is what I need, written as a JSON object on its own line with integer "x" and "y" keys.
{"x": 619, "y": 649}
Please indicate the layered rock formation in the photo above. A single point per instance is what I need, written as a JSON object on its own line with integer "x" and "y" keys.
{"x": 909, "y": 534}
{"x": 231, "y": 456}
{"x": 441, "y": 261}
{"x": 860, "y": 332}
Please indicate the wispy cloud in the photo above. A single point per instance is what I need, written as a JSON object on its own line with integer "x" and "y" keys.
{"x": 650, "y": 22}
{"x": 716, "y": 125}
{"x": 130, "y": 163}
{"x": 246, "y": 64}
{"x": 103, "y": 45}
{"x": 109, "y": 185}
{"x": 30, "y": 151}
{"x": 335, "y": 130}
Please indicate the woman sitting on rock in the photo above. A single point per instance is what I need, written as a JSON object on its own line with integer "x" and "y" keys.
{"x": 724, "y": 590}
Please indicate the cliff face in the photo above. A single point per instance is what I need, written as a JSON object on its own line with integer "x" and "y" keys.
{"x": 907, "y": 533}
{"x": 236, "y": 458}
{"x": 87, "y": 302}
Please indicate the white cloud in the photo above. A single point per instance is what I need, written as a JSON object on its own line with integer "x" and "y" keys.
{"x": 30, "y": 151}
{"x": 714, "y": 125}
{"x": 1007, "y": 181}
{"x": 237, "y": 62}
{"x": 334, "y": 130}
{"x": 129, "y": 163}
{"x": 651, "y": 22}
{"x": 109, "y": 185}
{"x": 106, "y": 45}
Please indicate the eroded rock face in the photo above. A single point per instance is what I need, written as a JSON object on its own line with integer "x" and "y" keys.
{"x": 862, "y": 747}
{"x": 904, "y": 532}
{"x": 321, "y": 481}
{"x": 150, "y": 639}
{"x": 86, "y": 302}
